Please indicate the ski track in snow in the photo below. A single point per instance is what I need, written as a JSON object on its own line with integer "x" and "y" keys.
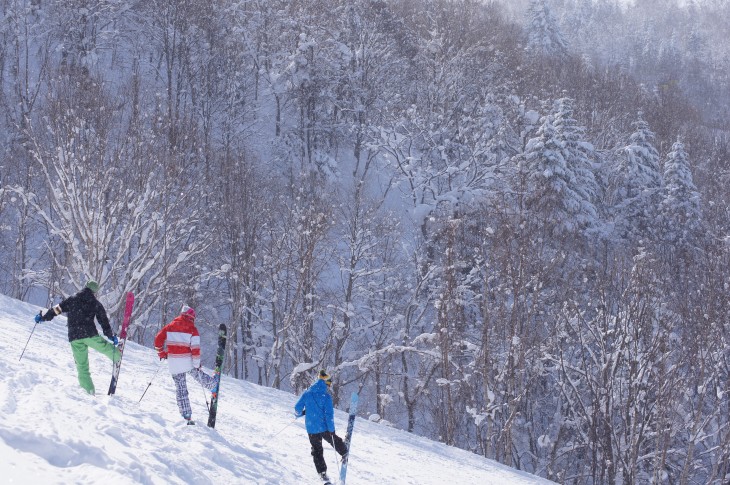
{"x": 51, "y": 432}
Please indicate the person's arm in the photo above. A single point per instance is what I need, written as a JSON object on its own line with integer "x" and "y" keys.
{"x": 57, "y": 310}
{"x": 159, "y": 343}
{"x": 329, "y": 414}
{"x": 103, "y": 320}
{"x": 299, "y": 407}
{"x": 195, "y": 347}
{"x": 51, "y": 313}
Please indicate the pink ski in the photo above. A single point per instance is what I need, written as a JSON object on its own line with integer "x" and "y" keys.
{"x": 122, "y": 340}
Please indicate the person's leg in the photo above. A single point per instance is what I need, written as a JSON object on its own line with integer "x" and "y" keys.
{"x": 335, "y": 441}
{"x": 81, "y": 357}
{"x": 181, "y": 393}
{"x": 204, "y": 379}
{"x": 102, "y": 345}
{"x": 318, "y": 452}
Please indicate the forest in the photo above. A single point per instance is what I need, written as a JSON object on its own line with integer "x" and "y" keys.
{"x": 506, "y": 224}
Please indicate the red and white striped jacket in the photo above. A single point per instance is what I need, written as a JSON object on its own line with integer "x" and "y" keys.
{"x": 183, "y": 344}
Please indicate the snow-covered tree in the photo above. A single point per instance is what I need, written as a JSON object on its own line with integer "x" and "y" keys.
{"x": 637, "y": 195}
{"x": 128, "y": 236}
{"x": 619, "y": 352}
{"x": 240, "y": 235}
{"x": 558, "y": 164}
{"x": 299, "y": 253}
{"x": 544, "y": 37}
{"x": 681, "y": 209}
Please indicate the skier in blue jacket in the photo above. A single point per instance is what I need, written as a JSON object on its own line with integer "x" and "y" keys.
{"x": 316, "y": 405}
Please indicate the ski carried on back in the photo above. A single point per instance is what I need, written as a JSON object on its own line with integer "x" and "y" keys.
{"x": 122, "y": 340}
{"x": 348, "y": 437}
{"x": 218, "y": 367}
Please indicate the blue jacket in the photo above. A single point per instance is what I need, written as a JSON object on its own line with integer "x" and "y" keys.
{"x": 320, "y": 413}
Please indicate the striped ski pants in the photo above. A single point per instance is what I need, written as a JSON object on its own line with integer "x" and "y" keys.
{"x": 181, "y": 389}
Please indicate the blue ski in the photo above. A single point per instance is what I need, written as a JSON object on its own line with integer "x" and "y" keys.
{"x": 348, "y": 437}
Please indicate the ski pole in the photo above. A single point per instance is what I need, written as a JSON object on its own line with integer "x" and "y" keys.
{"x": 337, "y": 455}
{"x": 205, "y": 395}
{"x": 150, "y": 383}
{"x": 281, "y": 430}
{"x": 26, "y": 344}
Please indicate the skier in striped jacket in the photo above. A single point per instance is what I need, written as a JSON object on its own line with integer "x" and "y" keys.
{"x": 182, "y": 340}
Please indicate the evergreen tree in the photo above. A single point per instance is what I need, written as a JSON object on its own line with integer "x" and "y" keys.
{"x": 543, "y": 33}
{"x": 561, "y": 184}
{"x": 681, "y": 209}
{"x": 638, "y": 191}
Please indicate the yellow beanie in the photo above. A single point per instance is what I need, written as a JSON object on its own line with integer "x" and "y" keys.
{"x": 325, "y": 377}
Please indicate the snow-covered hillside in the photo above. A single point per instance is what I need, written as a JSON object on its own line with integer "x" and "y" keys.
{"x": 52, "y": 433}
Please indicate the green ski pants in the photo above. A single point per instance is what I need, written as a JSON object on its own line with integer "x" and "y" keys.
{"x": 80, "y": 350}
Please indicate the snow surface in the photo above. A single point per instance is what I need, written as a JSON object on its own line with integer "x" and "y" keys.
{"x": 53, "y": 433}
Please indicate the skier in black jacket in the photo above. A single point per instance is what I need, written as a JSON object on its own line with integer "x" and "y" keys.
{"x": 82, "y": 308}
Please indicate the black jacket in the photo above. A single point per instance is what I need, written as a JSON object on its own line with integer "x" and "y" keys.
{"x": 82, "y": 308}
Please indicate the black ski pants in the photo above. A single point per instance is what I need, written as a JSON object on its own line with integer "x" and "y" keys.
{"x": 318, "y": 451}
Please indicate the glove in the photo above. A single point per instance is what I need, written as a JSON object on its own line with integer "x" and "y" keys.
{"x": 299, "y": 415}
{"x": 37, "y": 318}
{"x": 115, "y": 340}
{"x": 161, "y": 353}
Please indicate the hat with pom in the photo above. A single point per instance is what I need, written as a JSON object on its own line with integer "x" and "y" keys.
{"x": 325, "y": 377}
{"x": 186, "y": 310}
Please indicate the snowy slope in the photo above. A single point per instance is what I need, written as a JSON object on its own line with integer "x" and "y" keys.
{"x": 51, "y": 433}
